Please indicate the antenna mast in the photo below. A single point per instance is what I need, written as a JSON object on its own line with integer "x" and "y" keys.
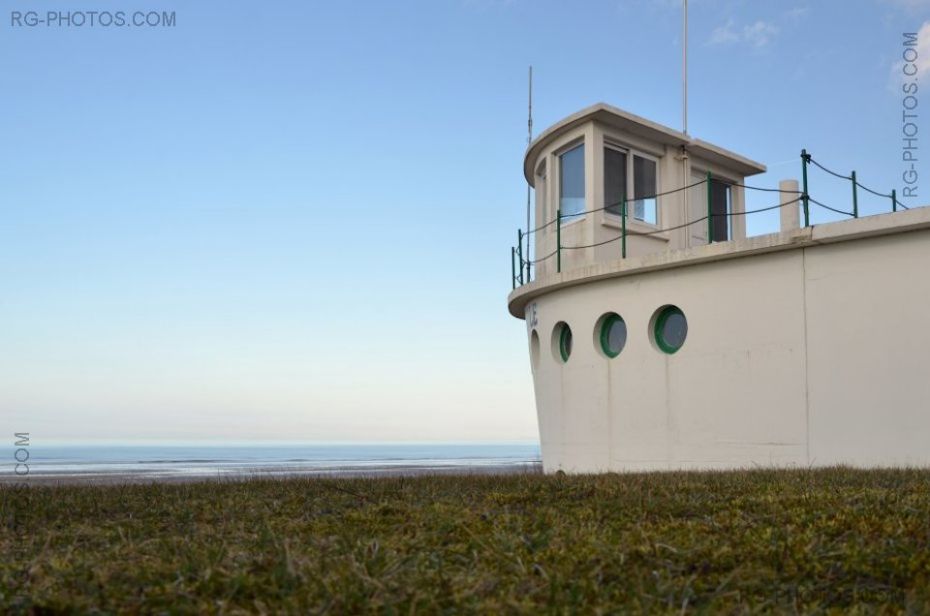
{"x": 529, "y": 139}
{"x": 684, "y": 70}
{"x": 529, "y": 122}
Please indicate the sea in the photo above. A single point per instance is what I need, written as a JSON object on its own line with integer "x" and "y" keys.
{"x": 183, "y": 461}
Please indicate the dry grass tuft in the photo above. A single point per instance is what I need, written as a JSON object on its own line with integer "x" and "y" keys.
{"x": 834, "y": 539}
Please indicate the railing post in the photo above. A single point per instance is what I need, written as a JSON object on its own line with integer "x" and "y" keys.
{"x": 710, "y": 215}
{"x": 894, "y": 200}
{"x": 513, "y": 268}
{"x": 558, "y": 240}
{"x": 805, "y": 157}
{"x": 528, "y": 260}
{"x": 520, "y": 252}
{"x": 855, "y": 195}
{"x": 623, "y": 228}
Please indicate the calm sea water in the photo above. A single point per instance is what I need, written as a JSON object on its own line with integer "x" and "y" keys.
{"x": 219, "y": 460}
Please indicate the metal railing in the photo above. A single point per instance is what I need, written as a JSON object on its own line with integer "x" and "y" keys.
{"x": 521, "y": 265}
{"x": 807, "y": 160}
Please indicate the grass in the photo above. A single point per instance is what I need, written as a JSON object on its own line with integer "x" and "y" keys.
{"x": 809, "y": 541}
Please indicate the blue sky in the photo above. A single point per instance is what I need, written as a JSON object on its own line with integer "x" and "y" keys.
{"x": 293, "y": 221}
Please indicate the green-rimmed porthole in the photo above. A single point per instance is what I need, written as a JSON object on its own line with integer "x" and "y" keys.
{"x": 534, "y": 349}
{"x": 670, "y": 328}
{"x": 611, "y": 334}
{"x": 562, "y": 341}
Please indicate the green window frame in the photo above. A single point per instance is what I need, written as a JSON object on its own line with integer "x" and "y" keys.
{"x": 565, "y": 342}
{"x": 661, "y": 320}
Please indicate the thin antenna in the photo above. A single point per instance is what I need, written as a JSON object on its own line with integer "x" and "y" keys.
{"x": 529, "y": 122}
{"x": 684, "y": 71}
{"x": 529, "y": 139}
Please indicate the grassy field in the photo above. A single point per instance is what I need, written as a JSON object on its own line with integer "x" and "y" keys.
{"x": 808, "y": 541}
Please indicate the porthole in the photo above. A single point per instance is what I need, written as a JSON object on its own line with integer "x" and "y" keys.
{"x": 562, "y": 342}
{"x": 670, "y": 328}
{"x": 610, "y": 334}
{"x": 534, "y": 349}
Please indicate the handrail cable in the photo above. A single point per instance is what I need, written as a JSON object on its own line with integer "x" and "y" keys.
{"x": 833, "y": 173}
{"x": 801, "y": 196}
{"x": 682, "y": 226}
{"x": 614, "y": 205}
{"x": 825, "y": 206}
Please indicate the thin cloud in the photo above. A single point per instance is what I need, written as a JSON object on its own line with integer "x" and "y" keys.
{"x": 922, "y": 61}
{"x": 725, "y": 34}
{"x": 760, "y": 33}
{"x": 797, "y": 13}
{"x": 483, "y": 5}
{"x": 908, "y": 5}
{"x": 757, "y": 34}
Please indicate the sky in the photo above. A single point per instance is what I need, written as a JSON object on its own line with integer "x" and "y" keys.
{"x": 292, "y": 220}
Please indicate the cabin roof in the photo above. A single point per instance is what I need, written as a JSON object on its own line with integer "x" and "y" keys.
{"x": 641, "y": 127}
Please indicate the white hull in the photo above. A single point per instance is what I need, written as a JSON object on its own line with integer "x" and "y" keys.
{"x": 805, "y": 348}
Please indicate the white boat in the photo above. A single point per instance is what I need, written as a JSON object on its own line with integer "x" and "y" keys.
{"x": 661, "y": 337}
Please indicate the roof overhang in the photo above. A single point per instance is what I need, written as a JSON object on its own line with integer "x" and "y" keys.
{"x": 641, "y": 127}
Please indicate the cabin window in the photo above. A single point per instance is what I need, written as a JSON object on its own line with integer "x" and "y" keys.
{"x": 720, "y": 194}
{"x": 720, "y": 208}
{"x": 571, "y": 183}
{"x": 614, "y": 180}
{"x": 542, "y": 203}
{"x": 619, "y": 167}
{"x": 644, "y": 190}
